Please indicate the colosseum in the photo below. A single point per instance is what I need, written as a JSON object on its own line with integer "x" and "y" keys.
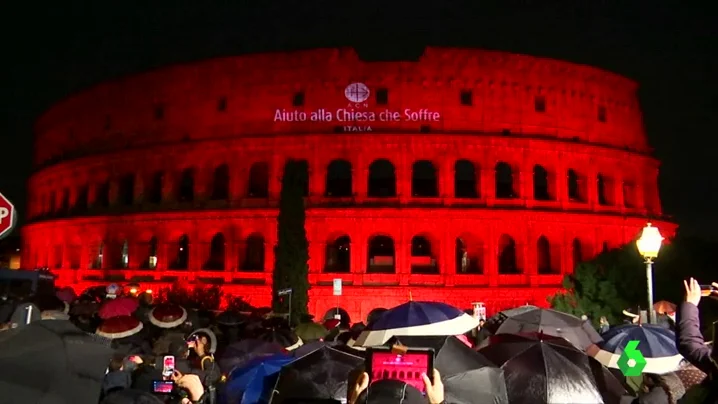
{"x": 463, "y": 176}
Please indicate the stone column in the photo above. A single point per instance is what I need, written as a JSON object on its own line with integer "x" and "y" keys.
{"x": 526, "y": 181}
{"x": 238, "y": 178}
{"x": 139, "y": 191}
{"x": 114, "y": 193}
{"x": 317, "y": 181}
{"x": 360, "y": 180}
{"x": 619, "y": 197}
{"x": 168, "y": 186}
{"x": 592, "y": 188}
{"x": 276, "y": 170}
{"x": 91, "y": 195}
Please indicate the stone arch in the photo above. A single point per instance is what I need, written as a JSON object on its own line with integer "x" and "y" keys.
{"x": 150, "y": 259}
{"x": 381, "y": 255}
{"x": 576, "y": 193}
{"x": 381, "y": 180}
{"x": 217, "y": 249}
{"x": 102, "y": 196}
{"x": 469, "y": 257}
{"x": 220, "y": 183}
{"x": 346, "y": 321}
{"x": 126, "y": 194}
{"x": 541, "y": 180}
{"x": 185, "y": 186}
{"x": 338, "y": 254}
{"x": 605, "y": 189}
{"x": 423, "y": 254}
{"x": 254, "y": 253}
{"x": 258, "y": 182}
{"x": 577, "y": 253}
{"x": 466, "y": 180}
{"x": 339, "y": 179}
{"x": 155, "y": 186}
{"x": 504, "y": 178}
{"x": 424, "y": 179}
{"x": 181, "y": 253}
{"x": 509, "y": 257}
{"x": 543, "y": 255}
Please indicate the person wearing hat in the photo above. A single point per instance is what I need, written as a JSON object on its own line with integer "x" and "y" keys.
{"x": 166, "y": 316}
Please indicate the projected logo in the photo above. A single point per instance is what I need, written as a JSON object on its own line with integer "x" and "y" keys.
{"x": 357, "y": 92}
{"x": 632, "y": 362}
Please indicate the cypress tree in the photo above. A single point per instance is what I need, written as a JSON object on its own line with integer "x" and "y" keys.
{"x": 291, "y": 254}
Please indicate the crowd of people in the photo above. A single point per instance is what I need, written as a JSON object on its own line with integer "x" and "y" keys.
{"x": 207, "y": 347}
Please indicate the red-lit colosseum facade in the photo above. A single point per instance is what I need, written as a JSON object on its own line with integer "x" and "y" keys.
{"x": 465, "y": 176}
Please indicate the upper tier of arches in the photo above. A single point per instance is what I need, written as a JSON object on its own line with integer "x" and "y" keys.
{"x": 470, "y": 91}
{"x": 345, "y": 170}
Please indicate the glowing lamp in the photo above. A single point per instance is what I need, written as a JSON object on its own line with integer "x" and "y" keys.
{"x": 649, "y": 244}
{"x": 133, "y": 291}
{"x": 148, "y": 291}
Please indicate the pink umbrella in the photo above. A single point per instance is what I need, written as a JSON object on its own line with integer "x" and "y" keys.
{"x": 122, "y": 306}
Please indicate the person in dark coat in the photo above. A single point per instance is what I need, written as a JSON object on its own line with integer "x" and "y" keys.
{"x": 689, "y": 340}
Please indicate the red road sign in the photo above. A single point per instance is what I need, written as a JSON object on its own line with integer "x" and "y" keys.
{"x": 8, "y": 216}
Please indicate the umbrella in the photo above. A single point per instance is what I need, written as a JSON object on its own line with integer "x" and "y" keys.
{"x": 253, "y": 382}
{"x": 610, "y": 387}
{"x": 493, "y": 322}
{"x": 657, "y": 344}
{"x": 230, "y": 318}
{"x": 322, "y": 374}
{"x": 543, "y": 369}
{"x": 664, "y": 307}
{"x": 121, "y": 306}
{"x": 281, "y": 336}
{"x": 551, "y": 322}
{"x": 417, "y": 318}
{"x": 467, "y": 375}
{"x": 52, "y": 361}
{"x": 239, "y": 353}
{"x": 311, "y": 331}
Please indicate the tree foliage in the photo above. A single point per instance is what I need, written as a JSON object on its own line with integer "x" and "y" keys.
{"x": 291, "y": 269}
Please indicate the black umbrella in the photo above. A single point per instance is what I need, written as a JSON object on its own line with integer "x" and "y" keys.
{"x": 322, "y": 374}
{"x": 230, "y": 318}
{"x": 239, "y": 353}
{"x": 551, "y": 322}
{"x": 467, "y": 375}
{"x": 543, "y": 369}
{"x": 52, "y": 361}
{"x": 281, "y": 336}
{"x": 492, "y": 323}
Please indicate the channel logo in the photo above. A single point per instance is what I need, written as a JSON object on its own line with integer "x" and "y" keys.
{"x": 632, "y": 362}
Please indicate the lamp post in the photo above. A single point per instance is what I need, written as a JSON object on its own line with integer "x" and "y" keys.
{"x": 649, "y": 244}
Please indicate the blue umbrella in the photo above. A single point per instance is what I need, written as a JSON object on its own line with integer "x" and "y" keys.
{"x": 657, "y": 344}
{"x": 417, "y": 319}
{"x": 253, "y": 381}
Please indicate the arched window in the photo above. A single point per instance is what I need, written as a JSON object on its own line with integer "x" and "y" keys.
{"x": 381, "y": 255}
{"x": 220, "y": 183}
{"x": 99, "y": 258}
{"x": 151, "y": 261}
{"x": 576, "y": 252}
{"x": 339, "y": 179}
{"x": 258, "y": 186}
{"x": 338, "y": 255}
{"x": 465, "y": 180}
{"x": 543, "y": 255}
{"x": 574, "y": 188}
{"x": 424, "y": 183}
{"x": 254, "y": 253}
{"x": 185, "y": 190}
{"x": 154, "y": 193}
{"x": 82, "y": 196}
{"x": 382, "y": 179}
{"x": 504, "y": 181}
{"x": 508, "y": 262}
{"x": 181, "y": 260}
{"x": 469, "y": 255}
{"x": 124, "y": 255}
{"x": 127, "y": 190}
{"x": 422, "y": 257}
{"x": 102, "y": 195}
{"x": 216, "y": 258}
{"x": 541, "y": 184}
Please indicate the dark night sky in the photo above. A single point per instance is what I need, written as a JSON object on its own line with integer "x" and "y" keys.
{"x": 51, "y": 52}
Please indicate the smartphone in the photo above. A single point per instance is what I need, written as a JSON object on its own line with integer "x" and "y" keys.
{"x": 162, "y": 386}
{"x": 406, "y": 365}
{"x": 168, "y": 366}
{"x": 707, "y": 290}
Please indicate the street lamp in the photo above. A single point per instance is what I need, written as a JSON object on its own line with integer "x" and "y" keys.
{"x": 649, "y": 244}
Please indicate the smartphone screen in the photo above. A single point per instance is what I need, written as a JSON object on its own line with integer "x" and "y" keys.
{"x": 162, "y": 386}
{"x": 407, "y": 367}
{"x": 168, "y": 366}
